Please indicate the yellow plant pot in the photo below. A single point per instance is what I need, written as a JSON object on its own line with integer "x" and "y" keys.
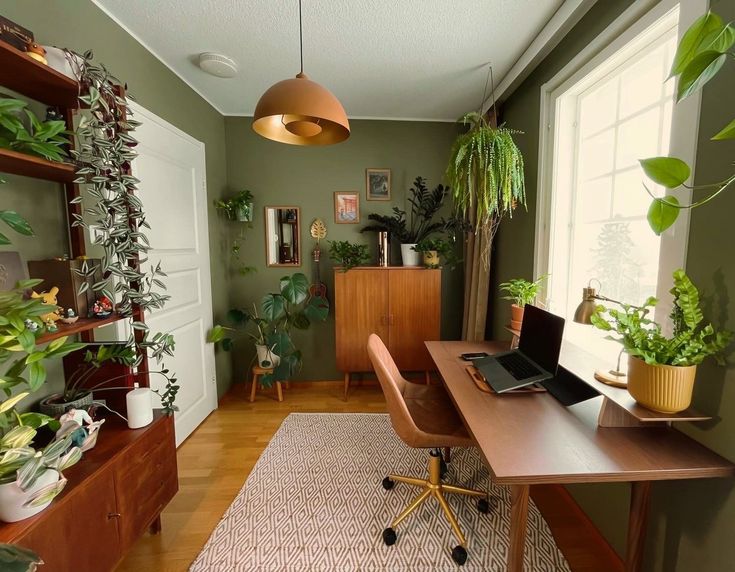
{"x": 431, "y": 259}
{"x": 662, "y": 388}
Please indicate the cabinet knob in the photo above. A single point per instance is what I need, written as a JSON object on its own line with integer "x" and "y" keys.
{"x": 111, "y": 515}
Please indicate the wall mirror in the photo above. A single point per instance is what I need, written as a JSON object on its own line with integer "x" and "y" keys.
{"x": 282, "y": 236}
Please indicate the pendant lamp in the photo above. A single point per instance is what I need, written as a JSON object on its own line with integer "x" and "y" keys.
{"x": 299, "y": 111}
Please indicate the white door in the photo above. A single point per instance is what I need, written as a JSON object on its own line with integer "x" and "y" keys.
{"x": 172, "y": 173}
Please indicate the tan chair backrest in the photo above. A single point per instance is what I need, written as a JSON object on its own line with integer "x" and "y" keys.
{"x": 393, "y": 385}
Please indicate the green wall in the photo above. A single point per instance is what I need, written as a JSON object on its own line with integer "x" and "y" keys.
{"x": 691, "y": 521}
{"x": 307, "y": 177}
{"x": 80, "y": 25}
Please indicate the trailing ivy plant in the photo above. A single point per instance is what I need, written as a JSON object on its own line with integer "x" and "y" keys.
{"x": 105, "y": 151}
{"x": 701, "y": 54}
{"x": 485, "y": 172}
{"x": 692, "y": 339}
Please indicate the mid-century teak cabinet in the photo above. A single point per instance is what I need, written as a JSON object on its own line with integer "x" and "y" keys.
{"x": 400, "y": 304}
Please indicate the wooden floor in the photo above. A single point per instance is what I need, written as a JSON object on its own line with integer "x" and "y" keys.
{"x": 217, "y": 458}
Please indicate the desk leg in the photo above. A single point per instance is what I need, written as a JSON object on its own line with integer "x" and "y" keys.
{"x": 640, "y": 496}
{"x": 518, "y": 518}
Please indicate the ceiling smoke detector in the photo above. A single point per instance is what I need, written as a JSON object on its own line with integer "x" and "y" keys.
{"x": 217, "y": 65}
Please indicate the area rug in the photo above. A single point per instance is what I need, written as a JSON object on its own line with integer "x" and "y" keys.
{"x": 314, "y": 502}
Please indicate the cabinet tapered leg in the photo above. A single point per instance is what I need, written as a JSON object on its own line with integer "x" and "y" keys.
{"x": 347, "y": 384}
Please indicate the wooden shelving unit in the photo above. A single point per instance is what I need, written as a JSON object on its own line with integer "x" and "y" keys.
{"x": 80, "y": 326}
{"x": 15, "y": 163}
{"x": 35, "y": 80}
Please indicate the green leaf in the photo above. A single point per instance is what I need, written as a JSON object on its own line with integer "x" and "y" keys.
{"x": 273, "y": 307}
{"x": 667, "y": 171}
{"x": 16, "y": 222}
{"x": 295, "y": 288}
{"x": 37, "y": 375}
{"x": 722, "y": 40}
{"x": 698, "y": 72}
{"x": 215, "y": 335}
{"x": 661, "y": 215}
{"x": 8, "y": 404}
{"x": 4, "y": 240}
{"x": 45, "y": 494}
{"x": 728, "y": 132}
{"x": 695, "y": 40}
{"x": 317, "y": 309}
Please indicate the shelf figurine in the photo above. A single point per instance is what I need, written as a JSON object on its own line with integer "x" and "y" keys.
{"x": 31, "y": 325}
{"x": 49, "y": 299}
{"x": 84, "y": 430}
{"x": 69, "y": 316}
{"x": 51, "y": 326}
{"x": 102, "y": 307}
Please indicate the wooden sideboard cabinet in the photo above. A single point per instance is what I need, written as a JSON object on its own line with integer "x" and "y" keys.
{"x": 401, "y": 305}
{"x": 114, "y": 494}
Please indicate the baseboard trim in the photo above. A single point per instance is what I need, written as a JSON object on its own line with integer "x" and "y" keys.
{"x": 582, "y": 544}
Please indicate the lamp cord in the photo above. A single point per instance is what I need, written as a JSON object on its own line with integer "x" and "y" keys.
{"x": 301, "y": 39}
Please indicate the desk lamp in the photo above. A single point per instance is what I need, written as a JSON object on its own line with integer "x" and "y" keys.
{"x": 583, "y": 315}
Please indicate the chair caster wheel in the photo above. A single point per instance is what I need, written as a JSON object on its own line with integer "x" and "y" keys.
{"x": 388, "y": 484}
{"x": 459, "y": 555}
{"x": 483, "y": 506}
{"x": 389, "y": 537}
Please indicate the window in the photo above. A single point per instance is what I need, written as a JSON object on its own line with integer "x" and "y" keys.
{"x": 592, "y": 217}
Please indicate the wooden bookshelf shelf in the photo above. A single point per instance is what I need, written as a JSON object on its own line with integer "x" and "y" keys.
{"x": 81, "y": 325}
{"x": 14, "y": 163}
{"x": 33, "y": 79}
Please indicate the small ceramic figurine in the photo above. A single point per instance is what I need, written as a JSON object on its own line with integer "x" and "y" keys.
{"x": 36, "y": 52}
{"x": 31, "y": 325}
{"x": 102, "y": 307}
{"x": 69, "y": 316}
{"x": 84, "y": 430}
{"x": 51, "y": 326}
{"x": 49, "y": 298}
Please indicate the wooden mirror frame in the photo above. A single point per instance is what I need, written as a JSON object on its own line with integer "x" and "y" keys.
{"x": 296, "y": 236}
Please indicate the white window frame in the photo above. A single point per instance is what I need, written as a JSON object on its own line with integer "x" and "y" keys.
{"x": 637, "y": 22}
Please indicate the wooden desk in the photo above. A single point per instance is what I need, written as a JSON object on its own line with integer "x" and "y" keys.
{"x": 530, "y": 439}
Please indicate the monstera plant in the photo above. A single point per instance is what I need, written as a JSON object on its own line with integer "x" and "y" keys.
{"x": 703, "y": 51}
{"x": 270, "y": 327}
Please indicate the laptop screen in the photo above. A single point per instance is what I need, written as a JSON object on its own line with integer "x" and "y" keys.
{"x": 541, "y": 334}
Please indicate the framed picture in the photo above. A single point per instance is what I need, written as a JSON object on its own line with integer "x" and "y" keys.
{"x": 347, "y": 207}
{"x": 377, "y": 184}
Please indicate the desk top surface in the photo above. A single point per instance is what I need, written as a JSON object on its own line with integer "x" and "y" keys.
{"x": 531, "y": 438}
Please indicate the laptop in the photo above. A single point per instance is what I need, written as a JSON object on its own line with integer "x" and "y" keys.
{"x": 536, "y": 358}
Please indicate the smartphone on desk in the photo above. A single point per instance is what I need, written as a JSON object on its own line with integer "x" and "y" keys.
{"x": 469, "y": 356}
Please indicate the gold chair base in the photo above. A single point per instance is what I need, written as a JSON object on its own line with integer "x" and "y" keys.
{"x": 433, "y": 487}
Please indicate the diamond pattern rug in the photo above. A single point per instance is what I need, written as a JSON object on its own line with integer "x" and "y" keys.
{"x": 314, "y": 502}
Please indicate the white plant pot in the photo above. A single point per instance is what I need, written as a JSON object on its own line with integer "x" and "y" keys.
{"x": 69, "y": 65}
{"x": 410, "y": 256}
{"x": 12, "y": 498}
{"x": 265, "y": 355}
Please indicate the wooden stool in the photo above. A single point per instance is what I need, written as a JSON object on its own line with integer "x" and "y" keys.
{"x": 258, "y": 372}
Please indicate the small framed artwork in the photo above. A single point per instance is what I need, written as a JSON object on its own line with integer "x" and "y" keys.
{"x": 347, "y": 207}
{"x": 377, "y": 184}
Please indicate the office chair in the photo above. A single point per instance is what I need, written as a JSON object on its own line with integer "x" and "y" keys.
{"x": 424, "y": 418}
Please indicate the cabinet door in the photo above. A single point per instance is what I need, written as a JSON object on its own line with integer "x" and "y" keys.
{"x": 415, "y": 316}
{"x": 360, "y": 309}
{"x": 145, "y": 481}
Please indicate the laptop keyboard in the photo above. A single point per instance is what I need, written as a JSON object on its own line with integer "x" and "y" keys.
{"x": 518, "y": 367}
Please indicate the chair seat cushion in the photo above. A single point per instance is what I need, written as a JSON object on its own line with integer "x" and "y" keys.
{"x": 434, "y": 414}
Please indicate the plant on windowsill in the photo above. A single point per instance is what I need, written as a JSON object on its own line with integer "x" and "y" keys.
{"x": 279, "y": 314}
{"x": 701, "y": 54}
{"x": 416, "y": 225}
{"x": 348, "y": 254}
{"x": 520, "y": 292}
{"x": 433, "y": 250}
{"x": 661, "y": 370}
{"x": 105, "y": 151}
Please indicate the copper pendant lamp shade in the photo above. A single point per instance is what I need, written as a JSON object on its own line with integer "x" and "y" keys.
{"x": 299, "y": 111}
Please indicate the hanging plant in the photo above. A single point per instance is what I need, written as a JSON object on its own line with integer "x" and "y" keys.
{"x": 485, "y": 173}
{"x": 104, "y": 154}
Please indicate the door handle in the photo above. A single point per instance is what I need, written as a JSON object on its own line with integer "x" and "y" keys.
{"x": 111, "y": 515}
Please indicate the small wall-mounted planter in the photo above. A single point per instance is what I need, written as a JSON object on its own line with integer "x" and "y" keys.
{"x": 244, "y": 212}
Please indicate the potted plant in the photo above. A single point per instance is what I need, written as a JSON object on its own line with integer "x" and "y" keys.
{"x": 433, "y": 250}
{"x": 30, "y": 479}
{"x": 417, "y": 224}
{"x": 520, "y": 292}
{"x": 486, "y": 175}
{"x": 661, "y": 369}
{"x": 348, "y": 254}
{"x": 239, "y": 207}
{"x": 280, "y": 312}
{"x": 42, "y": 138}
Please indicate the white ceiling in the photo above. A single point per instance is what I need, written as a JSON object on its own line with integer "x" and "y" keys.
{"x": 388, "y": 59}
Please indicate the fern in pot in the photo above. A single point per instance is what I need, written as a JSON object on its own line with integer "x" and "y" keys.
{"x": 661, "y": 369}
{"x": 520, "y": 292}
